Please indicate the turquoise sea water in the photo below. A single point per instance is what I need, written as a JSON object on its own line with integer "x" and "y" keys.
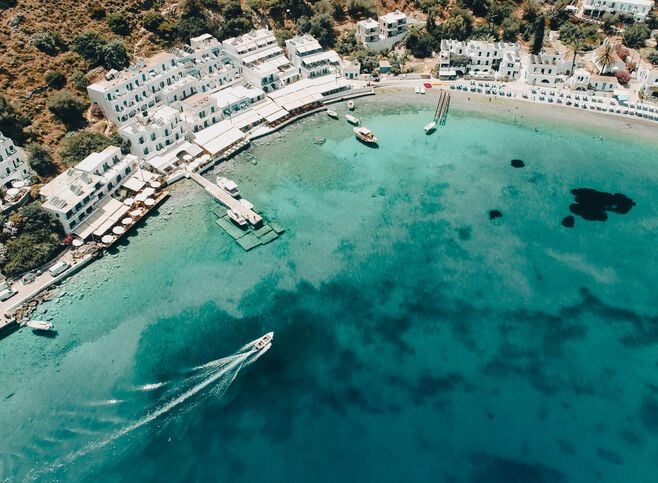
{"x": 416, "y": 339}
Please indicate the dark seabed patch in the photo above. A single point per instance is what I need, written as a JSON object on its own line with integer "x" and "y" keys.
{"x": 493, "y": 214}
{"x": 568, "y": 221}
{"x": 610, "y": 456}
{"x": 592, "y": 205}
{"x": 517, "y": 163}
{"x": 494, "y": 469}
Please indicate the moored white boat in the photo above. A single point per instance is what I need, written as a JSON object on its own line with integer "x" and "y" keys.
{"x": 429, "y": 127}
{"x": 422, "y": 89}
{"x": 364, "y": 134}
{"x": 332, "y": 114}
{"x": 228, "y": 185}
{"x": 246, "y": 203}
{"x": 237, "y": 218}
{"x": 417, "y": 90}
{"x": 351, "y": 119}
{"x": 350, "y": 105}
{"x": 39, "y": 325}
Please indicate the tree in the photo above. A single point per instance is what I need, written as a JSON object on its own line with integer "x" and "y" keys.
{"x": 55, "y": 79}
{"x": 118, "y": 23}
{"x": 115, "y": 55}
{"x": 636, "y": 35}
{"x": 459, "y": 25}
{"x": 605, "y": 57}
{"x": 322, "y": 28}
{"x": 37, "y": 240}
{"x": 12, "y": 121}
{"x": 40, "y": 160}
{"x": 67, "y": 107}
{"x": 153, "y": 20}
{"x": 79, "y": 80}
{"x": 538, "y": 39}
{"x": 479, "y": 7}
{"x": 78, "y": 145}
{"x": 89, "y": 45}
{"x": 623, "y": 76}
{"x": 7, "y": 4}
{"x": 48, "y": 42}
{"x": 511, "y": 29}
{"x": 361, "y": 8}
{"x": 347, "y": 43}
{"x": 653, "y": 57}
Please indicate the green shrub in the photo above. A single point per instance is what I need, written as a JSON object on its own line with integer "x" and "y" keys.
{"x": 67, "y": 107}
{"x": 118, "y": 23}
{"x": 78, "y": 145}
{"x": 40, "y": 160}
{"x": 55, "y": 79}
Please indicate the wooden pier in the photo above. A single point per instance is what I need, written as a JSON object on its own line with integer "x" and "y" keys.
{"x": 227, "y": 200}
{"x": 441, "y": 113}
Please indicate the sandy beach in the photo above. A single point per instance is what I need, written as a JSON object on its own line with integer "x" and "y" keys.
{"x": 527, "y": 112}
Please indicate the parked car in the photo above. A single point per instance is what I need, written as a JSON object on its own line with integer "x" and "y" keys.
{"x": 58, "y": 268}
{"x": 28, "y": 278}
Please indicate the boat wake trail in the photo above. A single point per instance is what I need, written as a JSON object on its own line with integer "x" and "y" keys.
{"x": 219, "y": 373}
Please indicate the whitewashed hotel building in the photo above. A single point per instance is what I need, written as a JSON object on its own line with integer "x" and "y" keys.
{"x": 545, "y": 68}
{"x": 485, "y": 58}
{"x": 261, "y": 60}
{"x": 308, "y": 55}
{"x": 154, "y": 132}
{"x": 647, "y": 75}
{"x": 12, "y": 163}
{"x": 74, "y": 195}
{"x": 639, "y": 9}
{"x": 384, "y": 33}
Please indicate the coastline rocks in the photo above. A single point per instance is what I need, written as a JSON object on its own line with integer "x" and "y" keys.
{"x": 493, "y": 214}
{"x": 517, "y": 163}
{"x": 592, "y": 205}
{"x": 569, "y": 221}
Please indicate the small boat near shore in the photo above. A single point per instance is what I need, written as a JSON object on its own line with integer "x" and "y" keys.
{"x": 430, "y": 127}
{"x": 332, "y": 114}
{"x": 228, "y": 185}
{"x": 318, "y": 140}
{"x": 365, "y": 135}
{"x": 263, "y": 342}
{"x": 237, "y": 218}
{"x": 350, "y": 105}
{"x": 351, "y": 119}
{"x": 39, "y": 325}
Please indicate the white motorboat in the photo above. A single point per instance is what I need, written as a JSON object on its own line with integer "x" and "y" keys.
{"x": 39, "y": 325}
{"x": 264, "y": 341}
{"x": 237, "y": 218}
{"x": 332, "y": 114}
{"x": 365, "y": 135}
{"x": 350, "y": 105}
{"x": 351, "y": 119}
{"x": 246, "y": 203}
{"x": 417, "y": 90}
{"x": 430, "y": 127}
{"x": 229, "y": 186}
{"x": 422, "y": 89}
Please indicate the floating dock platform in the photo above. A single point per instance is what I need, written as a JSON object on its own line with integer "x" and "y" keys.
{"x": 227, "y": 200}
{"x": 248, "y": 238}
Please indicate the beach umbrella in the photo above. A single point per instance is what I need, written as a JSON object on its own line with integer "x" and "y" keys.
{"x": 155, "y": 184}
{"x": 108, "y": 239}
{"x": 118, "y": 230}
{"x": 128, "y": 201}
{"x": 187, "y": 157}
{"x": 149, "y": 202}
{"x": 18, "y": 184}
{"x": 12, "y": 192}
{"x": 141, "y": 197}
{"x": 127, "y": 221}
{"x": 136, "y": 213}
{"x": 77, "y": 242}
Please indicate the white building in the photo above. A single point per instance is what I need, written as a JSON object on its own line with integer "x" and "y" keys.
{"x": 74, "y": 195}
{"x": 648, "y": 77}
{"x": 384, "y": 33}
{"x": 198, "y": 112}
{"x": 603, "y": 83}
{"x": 154, "y": 132}
{"x": 165, "y": 78}
{"x": 234, "y": 99}
{"x": 12, "y": 163}
{"x": 639, "y": 9}
{"x": 545, "y": 68}
{"x": 580, "y": 80}
{"x": 482, "y": 58}
{"x": 308, "y": 55}
{"x": 351, "y": 69}
{"x": 261, "y": 60}
{"x": 124, "y": 94}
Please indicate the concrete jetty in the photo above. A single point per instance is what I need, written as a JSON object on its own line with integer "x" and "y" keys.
{"x": 227, "y": 200}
